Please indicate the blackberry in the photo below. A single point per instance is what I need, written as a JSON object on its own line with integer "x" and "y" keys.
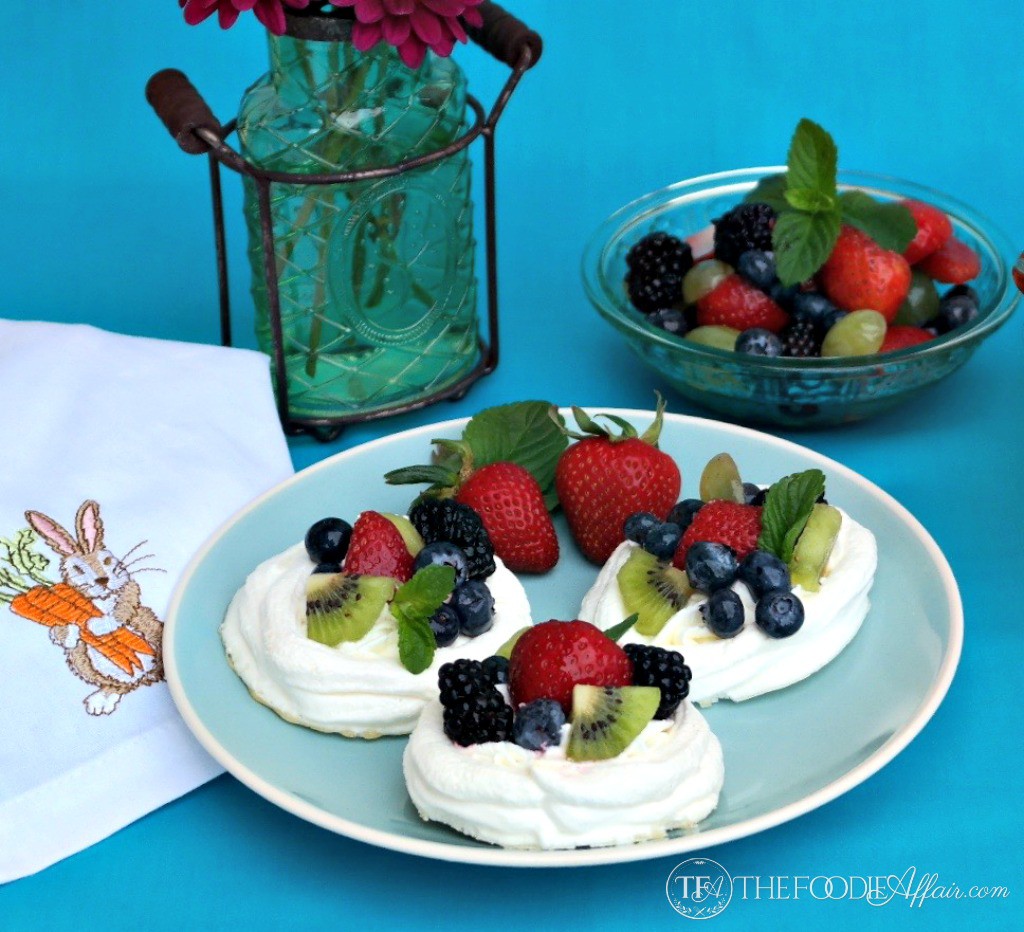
{"x": 801, "y": 338}
{"x": 747, "y": 226}
{"x": 657, "y": 264}
{"x": 474, "y": 711}
{"x": 444, "y": 519}
{"x": 654, "y": 666}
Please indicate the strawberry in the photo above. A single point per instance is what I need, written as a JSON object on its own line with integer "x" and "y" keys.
{"x": 378, "y": 549}
{"x": 861, "y": 275}
{"x": 901, "y": 337}
{"x": 722, "y": 522}
{"x": 734, "y": 302}
{"x": 933, "y": 230}
{"x": 551, "y": 658}
{"x": 955, "y": 263}
{"x": 511, "y": 505}
{"x": 602, "y": 479}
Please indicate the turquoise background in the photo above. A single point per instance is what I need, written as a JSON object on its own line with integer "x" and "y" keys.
{"x": 105, "y": 221}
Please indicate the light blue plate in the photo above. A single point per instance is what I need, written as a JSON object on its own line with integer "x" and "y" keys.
{"x": 785, "y": 753}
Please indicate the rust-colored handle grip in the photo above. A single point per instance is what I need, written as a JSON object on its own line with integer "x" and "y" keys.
{"x": 504, "y": 36}
{"x": 182, "y": 109}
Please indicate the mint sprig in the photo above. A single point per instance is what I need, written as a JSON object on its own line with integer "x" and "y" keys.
{"x": 787, "y": 506}
{"x": 413, "y": 605}
{"x": 811, "y": 210}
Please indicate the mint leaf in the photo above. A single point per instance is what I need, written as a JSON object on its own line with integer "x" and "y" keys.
{"x": 810, "y": 199}
{"x": 890, "y": 225}
{"x": 616, "y": 631}
{"x": 802, "y": 242}
{"x": 436, "y": 475}
{"x": 787, "y": 506}
{"x": 770, "y": 190}
{"x": 526, "y": 433}
{"x": 413, "y": 605}
{"x": 812, "y": 159}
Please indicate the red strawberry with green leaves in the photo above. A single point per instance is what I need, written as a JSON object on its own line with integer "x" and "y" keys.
{"x": 860, "y": 275}
{"x": 901, "y": 336}
{"x": 379, "y": 548}
{"x": 722, "y": 522}
{"x": 954, "y": 263}
{"x": 511, "y": 505}
{"x": 734, "y": 302}
{"x": 604, "y": 478}
{"x": 551, "y": 658}
{"x": 933, "y": 230}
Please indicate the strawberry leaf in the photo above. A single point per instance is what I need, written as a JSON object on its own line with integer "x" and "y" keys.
{"x": 413, "y": 605}
{"x": 812, "y": 159}
{"x": 528, "y": 433}
{"x": 770, "y": 190}
{"x": 802, "y": 242}
{"x": 787, "y": 506}
{"x": 616, "y": 631}
{"x": 890, "y": 225}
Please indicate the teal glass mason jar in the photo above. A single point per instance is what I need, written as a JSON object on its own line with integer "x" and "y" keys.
{"x": 376, "y": 277}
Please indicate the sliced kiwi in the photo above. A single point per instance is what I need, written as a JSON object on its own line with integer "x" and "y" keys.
{"x": 814, "y": 546}
{"x": 506, "y": 649}
{"x": 653, "y": 589}
{"x": 412, "y": 538}
{"x": 344, "y": 606}
{"x": 721, "y": 480}
{"x": 606, "y": 719}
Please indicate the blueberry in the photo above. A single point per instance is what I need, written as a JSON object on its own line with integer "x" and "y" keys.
{"x": 327, "y": 540}
{"x": 812, "y": 306}
{"x": 831, "y": 319}
{"x": 963, "y": 290}
{"x": 723, "y": 613}
{"x": 638, "y": 524}
{"x": 783, "y": 295}
{"x": 758, "y": 342}
{"x": 445, "y": 625}
{"x": 662, "y": 540}
{"x": 443, "y": 553}
{"x": 753, "y": 494}
{"x": 762, "y": 572}
{"x": 474, "y": 605}
{"x": 668, "y": 319}
{"x": 495, "y": 669}
{"x": 758, "y": 268}
{"x": 538, "y": 724}
{"x": 327, "y": 568}
{"x": 710, "y": 566}
{"x": 779, "y": 613}
{"x": 682, "y": 512}
{"x": 954, "y": 312}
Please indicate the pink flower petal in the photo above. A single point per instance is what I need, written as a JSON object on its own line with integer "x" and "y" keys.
{"x": 369, "y": 11}
{"x": 443, "y": 46}
{"x": 454, "y": 29}
{"x": 473, "y": 17}
{"x": 198, "y": 10}
{"x": 425, "y": 24}
{"x": 365, "y": 35}
{"x": 412, "y": 52}
{"x": 297, "y": 4}
{"x": 271, "y": 14}
{"x": 227, "y": 16}
{"x": 400, "y": 7}
{"x": 243, "y": 6}
{"x": 396, "y": 30}
{"x": 444, "y": 7}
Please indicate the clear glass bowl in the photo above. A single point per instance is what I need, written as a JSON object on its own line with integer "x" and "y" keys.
{"x": 788, "y": 392}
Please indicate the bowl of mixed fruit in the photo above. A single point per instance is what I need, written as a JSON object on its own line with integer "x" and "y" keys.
{"x": 800, "y": 295}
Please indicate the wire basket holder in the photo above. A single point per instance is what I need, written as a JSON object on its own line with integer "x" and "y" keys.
{"x": 197, "y": 131}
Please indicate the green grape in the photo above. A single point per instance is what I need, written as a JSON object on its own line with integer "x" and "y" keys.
{"x": 702, "y": 278}
{"x": 720, "y": 337}
{"x": 921, "y": 303}
{"x": 856, "y": 334}
{"x": 721, "y": 480}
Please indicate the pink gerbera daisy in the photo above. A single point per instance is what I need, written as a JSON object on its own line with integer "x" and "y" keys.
{"x": 412, "y": 26}
{"x": 268, "y": 12}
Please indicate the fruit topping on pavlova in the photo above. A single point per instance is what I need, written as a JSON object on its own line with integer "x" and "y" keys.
{"x": 573, "y": 741}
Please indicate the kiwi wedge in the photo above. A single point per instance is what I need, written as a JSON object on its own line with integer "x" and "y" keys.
{"x": 606, "y": 719}
{"x": 412, "y": 538}
{"x": 814, "y": 547}
{"x": 653, "y": 589}
{"x": 721, "y": 480}
{"x": 344, "y": 606}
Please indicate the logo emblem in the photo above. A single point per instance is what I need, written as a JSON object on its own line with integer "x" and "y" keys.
{"x": 699, "y": 888}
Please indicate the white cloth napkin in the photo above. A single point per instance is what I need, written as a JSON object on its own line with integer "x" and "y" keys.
{"x": 118, "y": 457}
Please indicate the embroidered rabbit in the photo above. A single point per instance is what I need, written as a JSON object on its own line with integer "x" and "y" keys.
{"x": 110, "y": 639}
